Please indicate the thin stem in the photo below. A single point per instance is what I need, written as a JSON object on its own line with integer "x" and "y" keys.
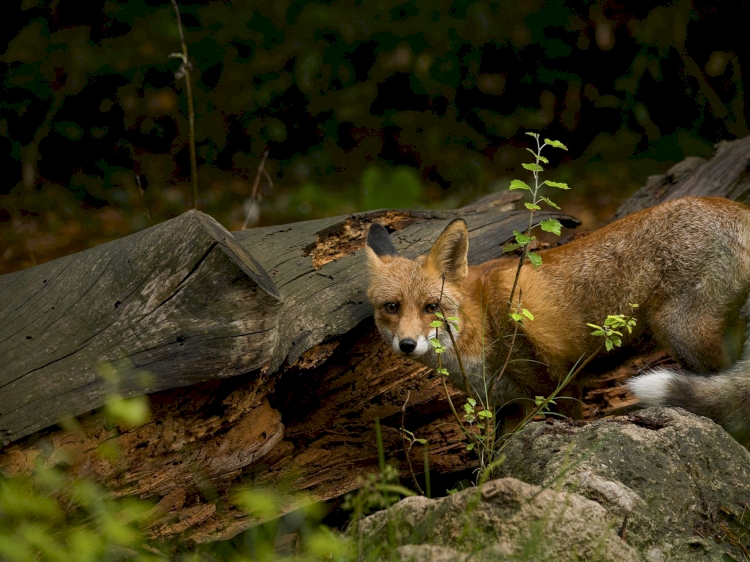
{"x": 411, "y": 443}
{"x": 191, "y": 112}
{"x": 507, "y": 359}
{"x": 453, "y": 341}
{"x": 458, "y": 357}
{"x": 551, "y": 397}
{"x": 143, "y": 197}
{"x": 450, "y": 402}
{"x": 261, "y": 170}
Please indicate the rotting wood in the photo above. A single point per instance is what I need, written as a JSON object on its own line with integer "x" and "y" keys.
{"x": 206, "y": 441}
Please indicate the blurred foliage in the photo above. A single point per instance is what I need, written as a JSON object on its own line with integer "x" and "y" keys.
{"x": 55, "y": 513}
{"x": 361, "y": 105}
{"x": 51, "y": 516}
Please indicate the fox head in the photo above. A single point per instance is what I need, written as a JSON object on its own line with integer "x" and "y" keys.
{"x": 406, "y": 293}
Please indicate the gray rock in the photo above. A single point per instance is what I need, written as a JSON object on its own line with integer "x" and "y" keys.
{"x": 681, "y": 479}
{"x": 675, "y": 485}
{"x": 503, "y": 519}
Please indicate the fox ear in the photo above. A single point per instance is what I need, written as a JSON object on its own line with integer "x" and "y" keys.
{"x": 379, "y": 241}
{"x": 449, "y": 253}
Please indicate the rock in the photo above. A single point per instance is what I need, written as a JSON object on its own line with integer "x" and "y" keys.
{"x": 673, "y": 485}
{"x": 682, "y": 481}
{"x": 504, "y": 518}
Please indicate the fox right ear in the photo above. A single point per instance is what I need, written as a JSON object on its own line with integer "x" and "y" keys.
{"x": 379, "y": 241}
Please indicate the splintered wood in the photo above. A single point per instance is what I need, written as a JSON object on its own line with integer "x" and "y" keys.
{"x": 607, "y": 395}
{"x": 352, "y": 236}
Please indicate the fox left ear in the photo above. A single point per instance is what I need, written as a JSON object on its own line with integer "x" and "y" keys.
{"x": 379, "y": 241}
{"x": 449, "y": 253}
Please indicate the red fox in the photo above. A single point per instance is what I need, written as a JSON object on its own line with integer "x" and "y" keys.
{"x": 686, "y": 263}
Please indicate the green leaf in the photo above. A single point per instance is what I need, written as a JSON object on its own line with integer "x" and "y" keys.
{"x": 533, "y": 167}
{"x": 443, "y": 372}
{"x": 435, "y": 324}
{"x": 485, "y": 414}
{"x": 518, "y": 184}
{"x": 532, "y": 207}
{"x": 439, "y": 314}
{"x": 472, "y": 402}
{"x": 527, "y": 314}
{"x": 549, "y": 202}
{"x": 557, "y": 184}
{"x": 551, "y": 225}
{"x": 522, "y": 238}
{"x": 555, "y": 144}
{"x": 421, "y": 441}
{"x": 608, "y": 345}
{"x": 535, "y": 135}
{"x": 511, "y": 247}
{"x": 541, "y": 158}
{"x": 470, "y": 446}
{"x": 517, "y": 317}
{"x": 434, "y": 342}
{"x": 593, "y": 326}
{"x": 597, "y": 333}
{"x": 453, "y": 319}
{"x": 534, "y": 258}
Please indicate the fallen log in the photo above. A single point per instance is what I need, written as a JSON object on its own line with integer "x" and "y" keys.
{"x": 724, "y": 175}
{"x": 292, "y": 318}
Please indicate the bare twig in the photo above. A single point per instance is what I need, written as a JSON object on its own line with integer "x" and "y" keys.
{"x": 184, "y": 71}
{"x": 252, "y": 203}
{"x": 500, "y": 373}
{"x": 467, "y": 388}
{"x": 143, "y": 196}
{"x": 261, "y": 170}
{"x": 407, "y": 452}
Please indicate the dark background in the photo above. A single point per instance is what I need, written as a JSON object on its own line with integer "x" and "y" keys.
{"x": 362, "y": 104}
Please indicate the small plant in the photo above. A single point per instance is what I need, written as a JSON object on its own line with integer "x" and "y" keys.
{"x": 609, "y": 329}
{"x": 548, "y": 225}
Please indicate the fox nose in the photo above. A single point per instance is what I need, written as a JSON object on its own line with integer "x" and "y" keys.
{"x": 407, "y": 345}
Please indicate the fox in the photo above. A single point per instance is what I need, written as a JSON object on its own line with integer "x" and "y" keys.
{"x": 685, "y": 262}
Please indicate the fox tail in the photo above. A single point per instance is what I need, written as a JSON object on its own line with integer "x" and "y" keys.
{"x": 724, "y": 397}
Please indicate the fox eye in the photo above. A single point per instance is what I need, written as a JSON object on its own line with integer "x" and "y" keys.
{"x": 391, "y": 307}
{"x": 432, "y": 308}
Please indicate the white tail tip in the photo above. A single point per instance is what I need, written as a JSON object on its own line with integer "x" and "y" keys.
{"x": 652, "y": 389}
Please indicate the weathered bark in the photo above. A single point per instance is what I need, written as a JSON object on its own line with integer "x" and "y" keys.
{"x": 170, "y": 306}
{"x": 186, "y": 301}
{"x": 291, "y": 315}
